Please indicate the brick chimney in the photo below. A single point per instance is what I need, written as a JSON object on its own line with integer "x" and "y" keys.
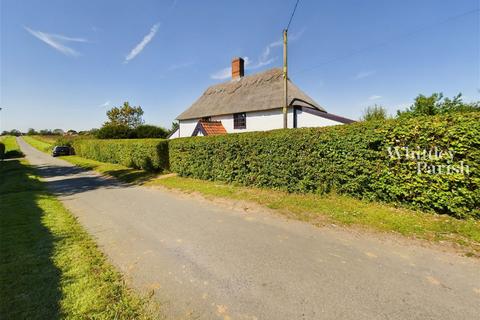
{"x": 238, "y": 68}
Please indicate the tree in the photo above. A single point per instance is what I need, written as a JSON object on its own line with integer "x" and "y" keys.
{"x": 31, "y": 132}
{"x": 72, "y": 132}
{"x": 374, "y": 112}
{"x": 13, "y": 132}
{"x": 125, "y": 115}
{"x": 437, "y": 104}
{"x": 58, "y": 132}
{"x": 174, "y": 128}
{"x": 46, "y": 132}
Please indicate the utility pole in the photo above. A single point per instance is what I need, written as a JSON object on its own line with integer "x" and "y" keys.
{"x": 285, "y": 80}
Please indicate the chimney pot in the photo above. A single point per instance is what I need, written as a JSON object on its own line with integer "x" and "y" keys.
{"x": 238, "y": 68}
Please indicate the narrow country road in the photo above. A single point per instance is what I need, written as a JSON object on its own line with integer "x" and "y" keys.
{"x": 208, "y": 262}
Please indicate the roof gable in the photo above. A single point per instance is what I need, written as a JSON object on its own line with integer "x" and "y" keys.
{"x": 209, "y": 128}
{"x": 261, "y": 91}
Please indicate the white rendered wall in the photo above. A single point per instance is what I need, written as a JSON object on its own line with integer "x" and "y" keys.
{"x": 186, "y": 127}
{"x": 306, "y": 120}
{"x": 174, "y": 135}
{"x": 257, "y": 121}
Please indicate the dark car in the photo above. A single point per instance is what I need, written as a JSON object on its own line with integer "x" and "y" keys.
{"x": 61, "y": 151}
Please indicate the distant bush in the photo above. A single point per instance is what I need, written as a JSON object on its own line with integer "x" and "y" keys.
{"x": 110, "y": 131}
{"x": 437, "y": 104}
{"x": 2, "y": 151}
{"x": 349, "y": 159}
{"x": 149, "y": 131}
{"x": 146, "y": 154}
{"x": 374, "y": 112}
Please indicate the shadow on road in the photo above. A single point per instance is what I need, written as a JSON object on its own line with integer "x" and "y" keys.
{"x": 67, "y": 180}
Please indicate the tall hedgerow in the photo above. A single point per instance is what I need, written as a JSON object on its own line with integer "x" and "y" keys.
{"x": 147, "y": 154}
{"x": 360, "y": 159}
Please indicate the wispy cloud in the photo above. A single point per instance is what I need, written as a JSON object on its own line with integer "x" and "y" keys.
{"x": 222, "y": 74}
{"x": 374, "y": 97}
{"x": 106, "y": 104}
{"x": 57, "y": 41}
{"x": 263, "y": 60}
{"x": 142, "y": 44}
{"x": 364, "y": 74}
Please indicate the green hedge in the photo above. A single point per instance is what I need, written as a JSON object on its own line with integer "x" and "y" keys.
{"x": 147, "y": 154}
{"x": 349, "y": 159}
{"x": 2, "y": 151}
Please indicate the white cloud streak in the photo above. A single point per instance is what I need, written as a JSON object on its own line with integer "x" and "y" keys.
{"x": 364, "y": 74}
{"x": 222, "y": 74}
{"x": 106, "y": 104}
{"x": 374, "y": 97}
{"x": 265, "y": 58}
{"x": 57, "y": 41}
{"x": 142, "y": 44}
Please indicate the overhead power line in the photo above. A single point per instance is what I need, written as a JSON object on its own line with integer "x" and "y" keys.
{"x": 386, "y": 42}
{"x": 293, "y": 13}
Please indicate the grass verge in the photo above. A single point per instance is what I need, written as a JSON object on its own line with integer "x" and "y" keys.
{"x": 50, "y": 268}
{"x": 344, "y": 210}
{"x": 314, "y": 209}
{"x": 12, "y": 150}
{"x": 37, "y": 142}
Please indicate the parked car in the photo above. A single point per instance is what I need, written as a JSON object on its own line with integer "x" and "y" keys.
{"x": 61, "y": 151}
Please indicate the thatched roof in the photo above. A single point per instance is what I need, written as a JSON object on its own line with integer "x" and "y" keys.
{"x": 261, "y": 91}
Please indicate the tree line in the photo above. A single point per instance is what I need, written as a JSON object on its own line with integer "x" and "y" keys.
{"x": 434, "y": 104}
{"x": 126, "y": 122}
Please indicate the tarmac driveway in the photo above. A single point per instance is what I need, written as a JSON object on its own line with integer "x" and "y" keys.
{"x": 210, "y": 262}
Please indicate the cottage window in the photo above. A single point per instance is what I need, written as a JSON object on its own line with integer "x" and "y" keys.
{"x": 240, "y": 120}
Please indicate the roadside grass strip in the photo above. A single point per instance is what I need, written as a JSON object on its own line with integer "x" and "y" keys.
{"x": 338, "y": 209}
{"x": 12, "y": 150}
{"x": 50, "y": 268}
{"x": 39, "y": 143}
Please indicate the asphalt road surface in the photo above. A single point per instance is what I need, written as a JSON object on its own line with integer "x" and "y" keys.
{"x": 205, "y": 261}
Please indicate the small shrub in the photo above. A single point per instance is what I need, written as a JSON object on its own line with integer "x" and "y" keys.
{"x": 2, "y": 151}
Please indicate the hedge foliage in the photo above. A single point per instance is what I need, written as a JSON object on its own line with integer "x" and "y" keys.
{"x": 146, "y": 154}
{"x": 2, "y": 150}
{"x": 349, "y": 159}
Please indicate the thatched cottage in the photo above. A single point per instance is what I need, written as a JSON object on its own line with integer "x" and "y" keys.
{"x": 251, "y": 103}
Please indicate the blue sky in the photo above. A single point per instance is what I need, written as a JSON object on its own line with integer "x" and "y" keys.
{"x": 65, "y": 62}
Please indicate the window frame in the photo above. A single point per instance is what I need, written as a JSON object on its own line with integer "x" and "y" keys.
{"x": 240, "y": 121}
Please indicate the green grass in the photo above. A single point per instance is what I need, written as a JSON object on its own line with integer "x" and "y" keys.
{"x": 37, "y": 142}
{"x": 12, "y": 150}
{"x": 50, "y": 268}
{"x": 312, "y": 208}
{"x": 344, "y": 210}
